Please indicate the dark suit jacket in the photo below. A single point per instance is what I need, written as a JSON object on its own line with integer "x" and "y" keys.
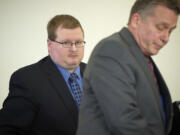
{"x": 120, "y": 93}
{"x": 39, "y": 102}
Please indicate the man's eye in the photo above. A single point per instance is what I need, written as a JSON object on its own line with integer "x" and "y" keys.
{"x": 78, "y": 43}
{"x": 160, "y": 28}
{"x": 66, "y": 43}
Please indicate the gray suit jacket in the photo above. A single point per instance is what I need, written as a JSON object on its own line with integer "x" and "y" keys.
{"x": 120, "y": 93}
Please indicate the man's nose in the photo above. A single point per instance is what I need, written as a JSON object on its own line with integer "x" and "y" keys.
{"x": 73, "y": 47}
{"x": 165, "y": 37}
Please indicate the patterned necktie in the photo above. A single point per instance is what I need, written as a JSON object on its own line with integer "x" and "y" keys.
{"x": 75, "y": 88}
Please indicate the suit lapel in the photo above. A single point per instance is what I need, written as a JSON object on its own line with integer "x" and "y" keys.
{"x": 142, "y": 62}
{"x": 59, "y": 85}
{"x": 166, "y": 97}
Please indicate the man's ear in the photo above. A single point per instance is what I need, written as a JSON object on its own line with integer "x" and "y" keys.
{"x": 49, "y": 43}
{"x": 135, "y": 20}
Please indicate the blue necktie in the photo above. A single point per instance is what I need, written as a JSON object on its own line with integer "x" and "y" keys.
{"x": 75, "y": 88}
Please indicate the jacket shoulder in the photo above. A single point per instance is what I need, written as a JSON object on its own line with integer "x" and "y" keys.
{"x": 28, "y": 71}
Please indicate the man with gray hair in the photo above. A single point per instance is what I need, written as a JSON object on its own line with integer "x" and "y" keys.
{"x": 124, "y": 92}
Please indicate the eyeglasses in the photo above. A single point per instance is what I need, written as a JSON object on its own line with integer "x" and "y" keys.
{"x": 67, "y": 44}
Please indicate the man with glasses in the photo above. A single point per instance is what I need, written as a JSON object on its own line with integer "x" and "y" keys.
{"x": 44, "y": 98}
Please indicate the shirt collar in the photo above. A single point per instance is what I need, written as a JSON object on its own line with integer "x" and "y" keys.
{"x": 66, "y": 73}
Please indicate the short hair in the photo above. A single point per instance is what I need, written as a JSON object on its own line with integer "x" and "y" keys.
{"x": 144, "y": 7}
{"x": 65, "y": 21}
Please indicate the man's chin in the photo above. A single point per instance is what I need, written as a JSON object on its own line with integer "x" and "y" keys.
{"x": 74, "y": 64}
{"x": 155, "y": 53}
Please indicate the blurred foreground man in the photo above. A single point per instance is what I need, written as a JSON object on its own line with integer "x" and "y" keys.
{"x": 124, "y": 92}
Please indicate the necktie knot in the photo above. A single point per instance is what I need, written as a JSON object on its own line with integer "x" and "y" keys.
{"x": 73, "y": 77}
{"x": 151, "y": 65}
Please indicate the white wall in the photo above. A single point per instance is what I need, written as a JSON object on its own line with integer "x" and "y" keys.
{"x": 23, "y": 34}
